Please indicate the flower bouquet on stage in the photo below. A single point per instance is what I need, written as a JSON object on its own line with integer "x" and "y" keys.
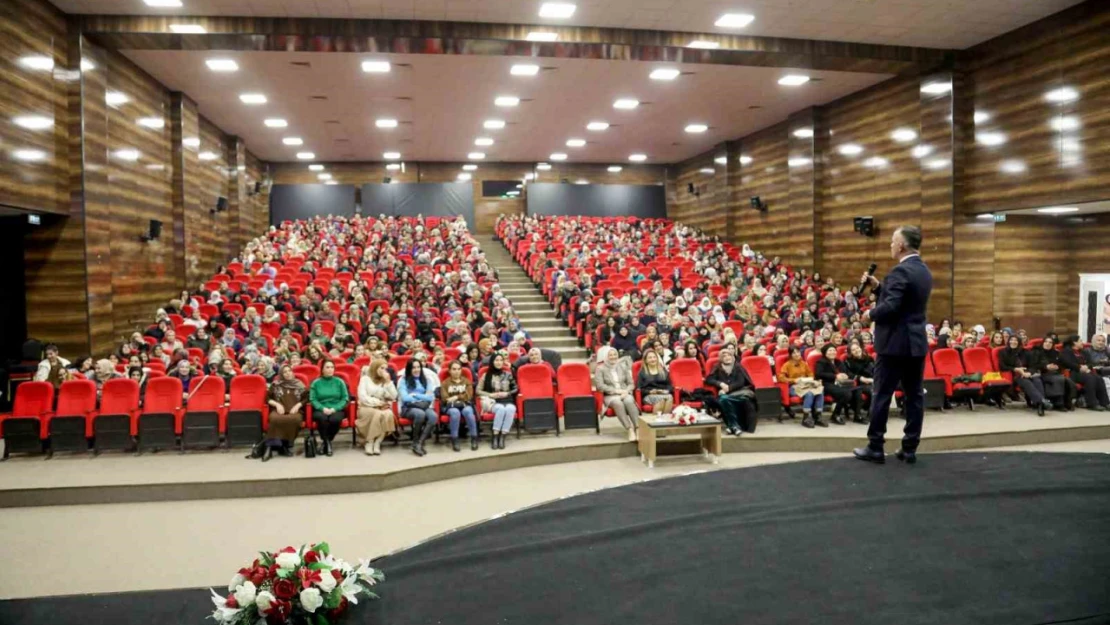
{"x": 306, "y": 586}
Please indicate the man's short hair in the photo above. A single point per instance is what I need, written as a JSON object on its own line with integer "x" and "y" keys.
{"x": 912, "y": 236}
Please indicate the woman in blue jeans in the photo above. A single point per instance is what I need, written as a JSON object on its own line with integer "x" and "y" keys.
{"x": 417, "y": 390}
{"x": 456, "y": 398}
{"x": 498, "y": 392}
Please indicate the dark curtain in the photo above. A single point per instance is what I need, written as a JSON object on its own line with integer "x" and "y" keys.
{"x": 597, "y": 200}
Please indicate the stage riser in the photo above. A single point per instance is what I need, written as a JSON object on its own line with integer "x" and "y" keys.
{"x": 326, "y": 485}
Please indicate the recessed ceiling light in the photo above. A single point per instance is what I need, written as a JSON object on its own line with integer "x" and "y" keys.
{"x": 803, "y": 133}
{"x": 391, "y": 156}
{"x": 506, "y": 100}
{"x": 151, "y": 122}
{"x": 207, "y": 156}
{"x": 393, "y": 167}
{"x": 793, "y": 80}
{"x": 936, "y": 88}
{"x": 985, "y": 216}
{"x": 850, "y": 149}
{"x": 163, "y": 4}
{"x": 799, "y": 161}
{"x": 529, "y": 176}
{"x": 990, "y": 138}
{"x": 734, "y": 20}
{"x": 293, "y": 141}
{"x": 558, "y": 156}
{"x": 463, "y": 177}
{"x": 316, "y": 167}
{"x": 520, "y": 186}
{"x": 1065, "y": 123}
{"x": 470, "y": 167}
{"x": 222, "y": 65}
{"x": 903, "y": 135}
{"x": 275, "y": 123}
{"x": 330, "y": 182}
{"x": 581, "y": 181}
{"x": 707, "y": 170}
{"x": 324, "y": 176}
{"x": 597, "y": 126}
{"x": 876, "y": 162}
{"x": 376, "y": 67}
{"x": 637, "y": 158}
{"x": 1013, "y": 166}
{"x": 188, "y": 29}
{"x": 87, "y": 65}
{"x": 626, "y": 104}
{"x": 386, "y": 123}
{"x": 524, "y": 70}
{"x": 664, "y": 73}
{"x": 557, "y": 10}
{"x": 483, "y": 141}
{"x": 937, "y": 163}
{"x": 115, "y": 98}
{"x": 745, "y": 159}
{"x": 696, "y": 128}
{"x": 703, "y": 45}
{"x": 191, "y": 142}
{"x": 575, "y": 143}
{"x": 721, "y": 160}
{"x": 40, "y": 63}
{"x": 127, "y": 155}
{"x": 540, "y": 36}
{"x": 1070, "y": 144}
{"x": 1058, "y": 210}
{"x": 33, "y": 122}
{"x": 615, "y": 169}
{"x": 921, "y": 151}
{"x": 306, "y": 156}
{"x": 543, "y": 166}
{"x": 493, "y": 124}
{"x": 252, "y": 98}
{"x": 982, "y": 117}
{"x": 1062, "y": 94}
{"x": 29, "y": 155}
{"x": 476, "y": 156}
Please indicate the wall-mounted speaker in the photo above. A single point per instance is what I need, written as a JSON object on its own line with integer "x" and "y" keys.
{"x": 221, "y": 205}
{"x": 758, "y": 203}
{"x": 153, "y": 231}
{"x": 864, "y": 226}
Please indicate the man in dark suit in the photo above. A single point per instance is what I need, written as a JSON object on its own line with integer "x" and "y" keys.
{"x": 901, "y": 345}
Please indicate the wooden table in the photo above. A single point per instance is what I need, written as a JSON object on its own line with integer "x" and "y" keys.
{"x": 707, "y": 427}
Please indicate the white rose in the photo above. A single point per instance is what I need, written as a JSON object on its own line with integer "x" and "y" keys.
{"x": 288, "y": 561}
{"x": 311, "y": 599}
{"x": 327, "y": 582}
{"x": 245, "y": 594}
{"x": 263, "y": 601}
{"x": 236, "y": 582}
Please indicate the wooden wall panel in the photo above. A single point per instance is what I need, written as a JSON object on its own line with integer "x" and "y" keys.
{"x": 236, "y": 194}
{"x": 973, "y": 269}
{"x": 707, "y": 206}
{"x": 34, "y": 28}
{"x": 212, "y": 182}
{"x": 765, "y": 173}
{"x": 941, "y": 193}
{"x": 1032, "y": 269}
{"x": 255, "y": 212}
{"x": 594, "y": 173}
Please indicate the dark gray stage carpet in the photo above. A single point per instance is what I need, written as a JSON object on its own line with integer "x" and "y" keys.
{"x": 1007, "y": 538}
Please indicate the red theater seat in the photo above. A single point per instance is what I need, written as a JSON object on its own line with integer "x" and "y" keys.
{"x": 67, "y": 427}
{"x": 114, "y": 425}
{"x": 24, "y": 427}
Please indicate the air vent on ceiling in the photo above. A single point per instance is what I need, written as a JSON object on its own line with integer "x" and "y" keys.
{"x": 754, "y": 107}
{"x": 332, "y": 121}
{"x": 301, "y": 64}
{"x": 318, "y": 98}
{"x": 403, "y": 97}
{"x": 342, "y": 140}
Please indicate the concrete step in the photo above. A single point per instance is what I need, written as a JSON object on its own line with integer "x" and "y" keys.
{"x": 568, "y": 342}
{"x": 534, "y": 307}
{"x": 554, "y": 331}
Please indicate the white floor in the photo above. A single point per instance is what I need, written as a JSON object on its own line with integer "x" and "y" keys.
{"x": 109, "y": 548}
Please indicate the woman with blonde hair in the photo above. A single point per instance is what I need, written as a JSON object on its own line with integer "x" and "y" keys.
{"x": 376, "y": 392}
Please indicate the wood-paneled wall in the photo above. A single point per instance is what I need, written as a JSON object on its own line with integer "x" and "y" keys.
{"x": 764, "y": 173}
{"x": 706, "y": 205}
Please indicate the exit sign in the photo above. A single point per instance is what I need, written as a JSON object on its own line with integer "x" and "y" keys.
{"x": 999, "y": 218}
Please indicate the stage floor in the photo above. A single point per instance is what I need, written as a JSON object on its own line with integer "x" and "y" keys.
{"x": 959, "y": 538}
{"x": 163, "y": 476}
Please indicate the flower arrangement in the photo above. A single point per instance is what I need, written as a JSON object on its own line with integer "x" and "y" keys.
{"x": 685, "y": 415}
{"x": 304, "y": 586}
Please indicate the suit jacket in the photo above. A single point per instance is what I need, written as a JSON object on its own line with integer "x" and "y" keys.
{"x": 899, "y": 315}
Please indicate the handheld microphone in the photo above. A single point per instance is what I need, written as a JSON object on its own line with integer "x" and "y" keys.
{"x": 870, "y": 272}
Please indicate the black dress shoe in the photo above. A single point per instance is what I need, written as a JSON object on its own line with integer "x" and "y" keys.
{"x": 455, "y": 444}
{"x": 327, "y": 448}
{"x": 839, "y": 420}
{"x": 821, "y": 424}
{"x": 473, "y": 443}
{"x": 869, "y": 455}
{"x": 807, "y": 422}
{"x": 1040, "y": 410}
{"x": 909, "y": 457}
{"x": 286, "y": 451}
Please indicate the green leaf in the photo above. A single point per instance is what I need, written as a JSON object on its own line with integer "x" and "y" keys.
{"x": 266, "y": 558}
{"x": 334, "y": 598}
{"x": 321, "y": 619}
{"x": 284, "y": 573}
{"x": 322, "y": 548}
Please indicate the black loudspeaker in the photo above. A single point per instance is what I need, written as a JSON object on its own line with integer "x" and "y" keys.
{"x": 864, "y": 226}
{"x": 758, "y": 204}
{"x": 221, "y": 204}
{"x": 689, "y": 187}
{"x": 257, "y": 188}
{"x": 154, "y": 230}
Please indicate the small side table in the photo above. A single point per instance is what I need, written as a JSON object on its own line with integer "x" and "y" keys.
{"x": 707, "y": 427}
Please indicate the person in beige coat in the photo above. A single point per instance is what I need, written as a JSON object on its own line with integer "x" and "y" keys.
{"x": 376, "y": 392}
{"x": 613, "y": 377}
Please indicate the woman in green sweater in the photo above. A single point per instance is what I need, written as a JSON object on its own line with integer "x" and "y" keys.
{"x": 328, "y": 396}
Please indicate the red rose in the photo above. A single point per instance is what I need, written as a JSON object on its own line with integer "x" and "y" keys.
{"x": 311, "y": 557}
{"x": 256, "y": 579}
{"x": 232, "y": 602}
{"x": 338, "y": 575}
{"x": 285, "y": 589}
{"x": 288, "y": 550}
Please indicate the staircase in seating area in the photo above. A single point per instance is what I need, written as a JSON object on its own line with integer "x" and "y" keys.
{"x": 537, "y": 317}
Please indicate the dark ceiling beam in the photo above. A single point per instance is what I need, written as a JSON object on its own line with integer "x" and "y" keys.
{"x": 488, "y": 39}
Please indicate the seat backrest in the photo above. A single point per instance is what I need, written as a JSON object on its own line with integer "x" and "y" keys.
{"x": 207, "y": 394}
{"x": 444, "y": 372}
{"x": 930, "y": 371}
{"x": 248, "y": 392}
{"x": 977, "y": 360}
{"x": 535, "y": 381}
{"x": 32, "y": 399}
{"x": 76, "y": 398}
{"x": 811, "y": 359}
{"x": 350, "y": 370}
{"x": 119, "y": 396}
{"x": 759, "y": 370}
{"x": 574, "y": 380}
{"x": 686, "y": 374}
{"x": 309, "y": 371}
{"x": 162, "y": 395}
{"x": 947, "y": 362}
{"x": 994, "y": 358}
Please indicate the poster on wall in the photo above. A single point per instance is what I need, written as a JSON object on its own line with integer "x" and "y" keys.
{"x": 1094, "y": 304}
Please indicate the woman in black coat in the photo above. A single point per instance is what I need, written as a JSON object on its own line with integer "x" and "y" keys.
{"x": 861, "y": 368}
{"x": 834, "y": 375}
{"x": 1094, "y": 389}
{"x": 1015, "y": 359}
{"x": 625, "y": 343}
{"x": 1046, "y": 361}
